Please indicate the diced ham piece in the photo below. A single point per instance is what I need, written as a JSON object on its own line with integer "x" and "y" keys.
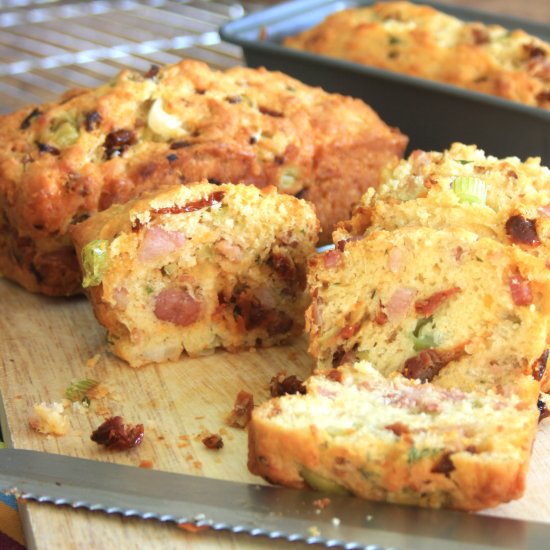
{"x": 158, "y": 242}
{"x": 395, "y": 258}
{"x": 545, "y": 211}
{"x": 233, "y": 252}
{"x": 332, "y": 258}
{"x": 121, "y": 298}
{"x": 520, "y": 289}
{"x": 399, "y": 303}
{"x": 177, "y": 306}
{"x": 427, "y": 306}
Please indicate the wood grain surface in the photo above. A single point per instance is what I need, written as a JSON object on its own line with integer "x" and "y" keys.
{"x": 46, "y": 343}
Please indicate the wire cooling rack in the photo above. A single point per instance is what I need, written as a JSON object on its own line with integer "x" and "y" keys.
{"x": 49, "y": 46}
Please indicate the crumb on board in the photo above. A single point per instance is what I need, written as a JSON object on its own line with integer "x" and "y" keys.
{"x": 48, "y": 419}
{"x": 240, "y": 415}
{"x": 93, "y": 361}
{"x": 192, "y": 528}
{"x": 148, "y": 464}
{"x": 213, "y": 442}
{"x": 321, "y": 503}
{"x": 336, "y": 522}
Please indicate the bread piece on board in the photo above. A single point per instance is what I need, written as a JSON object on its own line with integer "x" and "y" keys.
{"x": 64, "y": 161}
{"x": 442, "y": 306}
{"x": 421, "y": 41}
{"x": 395, "y": 439}
{"x": 195, "y": 268}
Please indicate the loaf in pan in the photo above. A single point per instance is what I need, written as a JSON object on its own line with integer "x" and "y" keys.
{"x": 62, "y": 162}
{"x": 419, "y": 40}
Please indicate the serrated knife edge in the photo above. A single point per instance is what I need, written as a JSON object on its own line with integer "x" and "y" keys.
{"x": 257, "y": 510}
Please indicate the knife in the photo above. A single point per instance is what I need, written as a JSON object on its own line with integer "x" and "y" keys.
{"x": 258, "y": 510}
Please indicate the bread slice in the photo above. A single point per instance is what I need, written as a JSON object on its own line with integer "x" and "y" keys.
{"x": 450, "y": 307}
{"x": 512, "y": 204}
{"x": 64, "y": 161}
{"x": 395, "y": 439}
{"x": 191, "y": 269}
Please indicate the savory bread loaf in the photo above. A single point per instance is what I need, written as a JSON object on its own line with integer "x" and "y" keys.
{"x": 443, "y": 306}
{"x": 194, "y": 268}
{"x": 395, "y": 439}
{"x": 421, "y": 41}
{"x": 64, "y": 161}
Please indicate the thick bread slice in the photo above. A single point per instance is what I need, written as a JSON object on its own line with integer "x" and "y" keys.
{"x": 463, "y": 311}
{"x": 191, "y": 269}
{"x": 395, "y": 439}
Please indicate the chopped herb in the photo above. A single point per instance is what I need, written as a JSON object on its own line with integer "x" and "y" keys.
{"x": 416, "y": 455}
{"x": 462, "y": 161}
{"x": 78, "y": 390}
{"x": 394, "y": 40}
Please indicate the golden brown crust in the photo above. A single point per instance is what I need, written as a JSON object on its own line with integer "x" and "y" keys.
{"x": 421, "y": 41}
{"x": 64, "y": 161}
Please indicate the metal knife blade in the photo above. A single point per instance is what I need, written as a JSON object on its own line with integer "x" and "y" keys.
{"x": 255, "y": 509}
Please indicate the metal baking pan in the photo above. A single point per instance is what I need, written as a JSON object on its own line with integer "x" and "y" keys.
{"x": 432, "y": 114}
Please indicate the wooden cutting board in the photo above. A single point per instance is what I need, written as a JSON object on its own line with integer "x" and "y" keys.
{"x": 45, "y": 343}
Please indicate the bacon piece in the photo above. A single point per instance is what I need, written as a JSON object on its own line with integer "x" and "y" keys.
{"x": 116, "y": 436}
{"x": 395, "y": 257}
{"x": 240, "y": 415}
{"x": 522, "y": 231}
{"x": 399, "y": 303}
{"x": 233, "y": 252}
{"x": 158, "y": 242}
{"x": 283, "y": 265}
{"x": 332, "y": 258}
{"x": 177, "y": 306}
{"x": 427, "y": 306}
{"x": 427, "y": 364}
{"x": 520, "y": 289}
{"x": 381, "y": 318}
{"x": 213, "y": 441}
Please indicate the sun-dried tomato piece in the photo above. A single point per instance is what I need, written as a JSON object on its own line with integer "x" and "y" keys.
{"x": 193, "y": 206}
{"x": 290, "y": 385}
{"x": 213, "y": 441}
{"x": 429, "y": 362}
{"x": 283, "y": 265}
{"x": 116, "y": 436}
{"x": 28, "y": 119}
{"x": 522, "y": 231}
{"x": 349, "y": 330}
{"x": 240, "y": 415}
{"x": 270, "y": 112}
{"x": 92, "y": 121}
{"x": 427, "y": 306}
{"x": 152, "y": 72}
{"x": 118, "y": 142}
{"x": 45, "y": 148}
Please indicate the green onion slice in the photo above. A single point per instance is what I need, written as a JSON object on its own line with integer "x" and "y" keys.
{"x": 470, "y": 189}
{"x": 94, "y": 262}
{"x": 79, "y": 388}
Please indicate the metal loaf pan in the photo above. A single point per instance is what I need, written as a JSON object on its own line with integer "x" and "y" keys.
{"x": 432, "y": 114}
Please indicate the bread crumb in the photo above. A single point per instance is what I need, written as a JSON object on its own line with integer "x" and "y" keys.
{"x": 47, "y": 418}
{"x": 321, "y": 503}
{"x": 336, "y": 522}
{"x": 146, "y": 464}
{"x": 93, "y": 361}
